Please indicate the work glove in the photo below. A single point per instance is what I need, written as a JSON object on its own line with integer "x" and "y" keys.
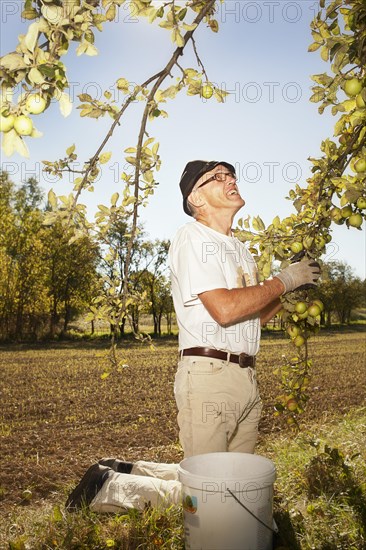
{"x": 300, "y": 275}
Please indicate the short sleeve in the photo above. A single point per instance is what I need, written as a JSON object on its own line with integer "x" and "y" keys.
{"x": 197, "y": 265}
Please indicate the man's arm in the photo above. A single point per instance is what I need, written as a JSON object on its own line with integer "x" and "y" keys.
{"x": 232, "y": 306}
{"x": 268, "y": 312}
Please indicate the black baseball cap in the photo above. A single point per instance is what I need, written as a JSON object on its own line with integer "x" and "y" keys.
{"x": 192, "y": 173}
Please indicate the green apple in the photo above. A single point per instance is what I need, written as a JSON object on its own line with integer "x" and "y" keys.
{"x": 299, "y": 341}
{"x": 292, "y": 405}
{"x": 360, "y": 166}
{"x": 23, "y": 125}
{"x": 346, "y": 211}
{"x": 207, "y": 91}
{"x": 352, "y": 87}
{"x": 361, "y": 203}
{"x": 336, "y": 215}
{"x": 320, "y": 242}
{"x": 27, "y": 494}
{"x": 314, "y": 310}
{"x": 319, "y": 303}
{"x": 296, "y": 247}
{"x": 308, "y": 242}
{"x": 293, "y": 331}
{"x": 301, "y": 307}
{"x": 6, "y": 123}
{"x": 360, "y": 102}
{"x": 35, "y": 104}
{"x": 355, "y": 220}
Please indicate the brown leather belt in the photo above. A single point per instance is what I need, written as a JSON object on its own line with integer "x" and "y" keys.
{"x": 243, "y": 360}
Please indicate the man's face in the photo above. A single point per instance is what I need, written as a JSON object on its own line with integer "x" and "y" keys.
{"x": 219, "y": 193}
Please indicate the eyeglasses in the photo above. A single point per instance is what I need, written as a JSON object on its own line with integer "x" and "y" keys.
{"x": 221, "y": 177}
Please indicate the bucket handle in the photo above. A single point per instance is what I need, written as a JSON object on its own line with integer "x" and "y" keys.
{"x": 251, "y": 513}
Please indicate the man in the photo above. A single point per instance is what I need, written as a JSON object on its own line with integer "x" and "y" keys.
{"x": 220, "y": 307}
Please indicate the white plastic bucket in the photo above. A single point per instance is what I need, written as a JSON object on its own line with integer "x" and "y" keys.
{"x": 227, "y": 501}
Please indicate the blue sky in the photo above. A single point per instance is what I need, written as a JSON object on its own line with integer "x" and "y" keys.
{"x": 267, "y": 127}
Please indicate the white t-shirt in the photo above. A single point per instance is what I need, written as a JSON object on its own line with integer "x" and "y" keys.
{"x": 203, "y": 259}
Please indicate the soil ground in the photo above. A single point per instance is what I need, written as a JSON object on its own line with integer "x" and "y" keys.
{"x": 57, "y": 416}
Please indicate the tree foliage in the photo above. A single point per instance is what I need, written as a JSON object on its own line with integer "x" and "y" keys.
{"x": 341, "y": 293}
{"x": 335, "y": 192}
{"x": 43, "y": 278}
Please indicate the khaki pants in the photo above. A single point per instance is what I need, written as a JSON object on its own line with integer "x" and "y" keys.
{"x": 148, "y": 483}
{"x": 219, "y": 410}
{"x": 218, "y": 406}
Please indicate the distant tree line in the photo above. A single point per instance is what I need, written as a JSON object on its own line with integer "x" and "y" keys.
{"x": 341, "y": 293}
{"x": 47, "y": 279}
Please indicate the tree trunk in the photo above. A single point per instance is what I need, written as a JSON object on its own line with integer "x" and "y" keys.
{"x": 122, "y": 326}
{"x": 168, "y": 317}
{"x": 159, "y": 324}
{"x": 19, "y": 322}
{"x": 328, "y": 318}
{"x": 67, "y": 317}
{"x": 53, "y": 318}
{"x": 135, "y": 320}
{"x": 156, "y": 323}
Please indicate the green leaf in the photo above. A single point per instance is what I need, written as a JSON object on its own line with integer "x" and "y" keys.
{"x": 114, "y": 199}
{"x": 148, "y": 176}
{"x": 324, "y": 53}
{"x": 177, "y": 38}
{"x": 266, "y": 270}
{"x": 13, "y": 61}
{"x": 213, "y": 24}
{"x": 349, "y": 104}
{"x": 57, "y": 514}
{"x": 276, "y": 221}
{"x": 258, "y": 224}
{"x": 322, "y": 79}
{"x": 30, "y": 13}
{"x": 318, "y": 96}
{"x": 104, "y": 157}
{"x": 104, "y": 209}
{"x": 85, "y": 97}
{"x": 21, "y": 147}
{"x": 111, "y": 12}
{"x": 128, "y": 201}
{"x": 313, "y": 47}
{"x": 52, "y": 199}
{"x": 65, "y": 104}
{"x": 122, "y": 84}
{"x": 166, "y": 24}
{"x": 189, "y": 27}
{"x": 31, "y": 37}
{"x": 35, "y": 76}
{"x": 70, "y": 150}
{"x": 91, "y": 50}
{"x": 317, "y": 37}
